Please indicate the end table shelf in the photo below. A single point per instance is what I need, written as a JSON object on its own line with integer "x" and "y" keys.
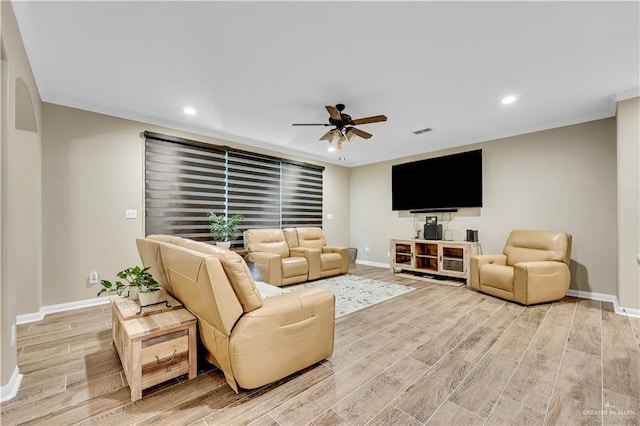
{"x": 156, "y": 345}
{"x": 130, "y": 308}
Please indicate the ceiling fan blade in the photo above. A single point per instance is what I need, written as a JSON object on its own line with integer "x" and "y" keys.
{"x": 328, "y": 136}
{"x": 372, "y": 119}
{"x": 353, "y": 131}
{"x": 311, "y": 124}
{"x": 333, "y": 112}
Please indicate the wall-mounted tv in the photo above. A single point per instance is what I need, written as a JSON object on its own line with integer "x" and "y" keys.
{"x": 448, "y": 182}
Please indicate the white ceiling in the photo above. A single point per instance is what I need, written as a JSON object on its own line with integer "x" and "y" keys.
{"x": 251, "y": 69}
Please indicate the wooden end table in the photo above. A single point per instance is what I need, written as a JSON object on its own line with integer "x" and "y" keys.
{"x": 155, "y": 345}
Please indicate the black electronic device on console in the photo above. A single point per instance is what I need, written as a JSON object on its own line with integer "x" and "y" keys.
{"x": 432, "y": 231}
{"x": 472, "y": 235}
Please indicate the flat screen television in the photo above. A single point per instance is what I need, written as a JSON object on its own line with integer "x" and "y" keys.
{"x": 448, "y": 182}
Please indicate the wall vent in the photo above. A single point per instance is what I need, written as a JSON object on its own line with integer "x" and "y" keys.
{"x": 419, "y": 132}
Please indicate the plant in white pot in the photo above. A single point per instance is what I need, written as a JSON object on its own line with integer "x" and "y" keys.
{"x": 224, "y": 229}
{"x": 148, "y": 289}
{"x": 136, "y": 279}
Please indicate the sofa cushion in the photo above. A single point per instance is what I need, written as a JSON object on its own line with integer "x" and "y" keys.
{"x": 498, "y": 276}
{"x": 294, "y": 266}
{"x": 149, "y": 251}
{"x": 330, "y": 261}
{"x": 267, "y": 240}
{"x": 233, "y": 264}
{"x": 527, "y": 246}
{"x": 311, "y": 238}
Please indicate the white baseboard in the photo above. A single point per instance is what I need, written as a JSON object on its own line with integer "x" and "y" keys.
{"x": 37, "y": 316}
{"x": 10, "y": 390}
{"x": 606, "y": 298}
{"x": 376, "y": 264}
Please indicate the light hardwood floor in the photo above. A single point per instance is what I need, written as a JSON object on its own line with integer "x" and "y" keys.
{"x": 438, "y": 355}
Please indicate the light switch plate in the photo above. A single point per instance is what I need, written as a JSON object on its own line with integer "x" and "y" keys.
{"x": 131, "y": 214}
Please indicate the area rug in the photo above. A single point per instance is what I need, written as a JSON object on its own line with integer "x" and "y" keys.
{"x": 354, "y": 293}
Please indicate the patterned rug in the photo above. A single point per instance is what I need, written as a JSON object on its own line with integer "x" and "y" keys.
{"x": 354, "y": 293}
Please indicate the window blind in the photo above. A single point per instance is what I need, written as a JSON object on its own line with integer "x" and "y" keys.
{"x": 184, "y": 180}
{"x": 301, "y": 196}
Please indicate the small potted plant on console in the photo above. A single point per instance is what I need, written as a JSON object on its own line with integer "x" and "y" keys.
{"x": 137, "y": 280}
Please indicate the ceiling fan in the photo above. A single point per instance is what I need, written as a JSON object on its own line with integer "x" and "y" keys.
{"x": 344, "y": 129}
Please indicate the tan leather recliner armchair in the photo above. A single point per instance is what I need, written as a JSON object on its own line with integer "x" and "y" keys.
{"x": 533, "y": 268}
{"x": 326, "y": 261}
{"x": 253, "y": 340}
{"x": 272, "y": 260}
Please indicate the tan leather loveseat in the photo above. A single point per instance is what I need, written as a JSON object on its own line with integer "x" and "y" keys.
{"x": 253, "y": 340}
{"x": 533, "y": 268}
{"x": 326, "y": 261}
{"x": 293, "y": 255}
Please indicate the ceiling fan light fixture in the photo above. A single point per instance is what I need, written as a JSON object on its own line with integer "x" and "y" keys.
{"x": 343, "y": 125}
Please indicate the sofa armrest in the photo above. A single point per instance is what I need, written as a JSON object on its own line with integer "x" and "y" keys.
{"x": 265, "y": 266}
{"x": 313, "y": 258}
{"x": 343, "y": 252}
{"x": 484, "y": 259}
{"x": 289, "y": 332}
{"x": 538, "y": 281}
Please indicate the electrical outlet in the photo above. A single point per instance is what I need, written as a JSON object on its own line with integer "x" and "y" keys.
{"x": 94, "y": 278}
{"x": 388, "y": 254}
{"x": 367, "y": 251}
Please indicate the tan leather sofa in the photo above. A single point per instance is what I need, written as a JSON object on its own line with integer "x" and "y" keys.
{"x": 272, "y": 261}
{"x": 326, "y": 261}
{"x": 533, "y": 268}
{"x": 253, "y": 340}
{"x": 293, "y": 255}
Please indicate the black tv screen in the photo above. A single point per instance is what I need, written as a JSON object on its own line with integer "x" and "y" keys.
{"x": 451, "y": 181}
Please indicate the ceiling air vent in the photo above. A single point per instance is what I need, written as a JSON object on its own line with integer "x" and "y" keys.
{"x": 419, "y": 132}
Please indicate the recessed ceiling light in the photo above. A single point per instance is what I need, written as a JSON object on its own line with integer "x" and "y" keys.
{"x": 508, "y": 99}
{"x": 331, "y": 149}
{"x": 190, "y": 111}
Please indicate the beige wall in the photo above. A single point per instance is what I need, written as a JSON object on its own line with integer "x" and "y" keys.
{"x": 20, "y": 196}
{"x": 628, "y": 132}
{"x": 560, "y": 179}
{"x": 337, "y": 204}
{"x": 92, "y": 173}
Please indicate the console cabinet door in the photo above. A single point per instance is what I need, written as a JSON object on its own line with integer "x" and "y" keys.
{"x": 452, "y": 260}
{"x": 402, "y": 254}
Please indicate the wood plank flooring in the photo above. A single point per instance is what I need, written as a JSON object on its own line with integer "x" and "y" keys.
{"x": 439, "y": 355}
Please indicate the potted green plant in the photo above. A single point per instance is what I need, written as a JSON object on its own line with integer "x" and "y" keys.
{"x": 224, "y": 229}
{"x": 149, "y": 293}
{"x": 137, "y": 280}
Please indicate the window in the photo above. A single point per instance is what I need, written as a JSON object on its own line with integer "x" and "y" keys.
{"x": 184, "y": 180}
